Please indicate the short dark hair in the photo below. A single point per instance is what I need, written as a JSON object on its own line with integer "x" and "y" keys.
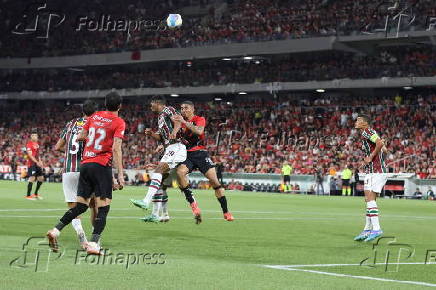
{"x": 113, "y": 101}
{"x": 188, "y": 103}
{"x": 365, "y": 118}
{"x": 159, "y": 100}
{"x": 89, "y": 107}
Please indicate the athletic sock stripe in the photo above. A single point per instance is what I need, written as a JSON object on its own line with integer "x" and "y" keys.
{"x": 155, "y": 187}
{"x": 157, "y": 180}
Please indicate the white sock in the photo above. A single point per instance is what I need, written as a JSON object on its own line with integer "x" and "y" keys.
{"x": 373, "y": 214}
{"x": 56, "y": 232}
{"x": 165, "y": 208}
{"x": 77, "y": 225}
{"x": 368, "y": 225}
{"x": 157, "y": 205}
{"x": 156, "y": 179}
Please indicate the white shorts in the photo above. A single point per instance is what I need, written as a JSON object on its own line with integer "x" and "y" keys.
{"x": 375, "y": 182}
{"x": 70, "y": 182}
{"x": 174, "y": 154}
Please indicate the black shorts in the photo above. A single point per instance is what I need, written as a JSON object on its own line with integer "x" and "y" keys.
{"x": 286, "y": 178}
{"x": 198, "y": 160}
{"x": 345, "y": 182}
{"x": 35, "y": 170}
{"x": 95, "y": 179}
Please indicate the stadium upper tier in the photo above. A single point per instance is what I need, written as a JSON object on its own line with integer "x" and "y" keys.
{"x": 415, "y": 61}
{"x": 239, "y": 21}
{"x": 257, "y": 134}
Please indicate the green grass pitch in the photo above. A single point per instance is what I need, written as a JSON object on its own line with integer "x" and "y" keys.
{"x": 270, "y": 229}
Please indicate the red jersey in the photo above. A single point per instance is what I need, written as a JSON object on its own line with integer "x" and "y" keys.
{"x": 102, "y": 128}
{"x": 192, "y": 141}
{"x": 34, "y": 147}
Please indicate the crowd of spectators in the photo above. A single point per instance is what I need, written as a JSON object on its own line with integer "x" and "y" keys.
{"x": 242, "y": 21}
{"x": 389, "y": 62}
{"x": 256, "y": 134}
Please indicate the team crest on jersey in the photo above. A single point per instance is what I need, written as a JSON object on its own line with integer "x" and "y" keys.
{"x": 80, "y": 123}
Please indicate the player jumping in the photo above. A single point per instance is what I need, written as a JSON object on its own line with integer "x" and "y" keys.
{"x": 34, "y": 167}
{"x": 198, "y": 158}
{"x": 73, "y": 155}
{"x": 375, "y": 177}
{"x": 175, "y": 150}
{"x": 104, "y": 134}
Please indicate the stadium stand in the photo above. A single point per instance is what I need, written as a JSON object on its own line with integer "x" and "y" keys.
{"x": 239, "y": 21}
{"x": 414, "y": 61}
{"x": 258, "y": 133}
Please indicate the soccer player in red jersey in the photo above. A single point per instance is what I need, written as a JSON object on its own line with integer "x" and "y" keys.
{"x": 71, "y": 172}
{"x": 375, "y": 177}
{"x": 34, "y": 167}
{"x": 198, "y": 158}
{"x": 104, "y": 134}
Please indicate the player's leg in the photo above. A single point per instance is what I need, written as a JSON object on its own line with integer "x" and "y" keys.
{"x": 156, "y": 207}
{"x": 39, "y": 181}
{"x": 219, "y": 192}
{"x": 70, "y": 183}
{"x": 173, "y": 155}
{"x": 102, "y": 178}
{"x": 84, "y": 193}
{"x": 165, "y": 217}
{"x": 31, "y": 180}
{"x": 378, "y": 182}
{"x": 93, "y": 208}
{"x": 368, "y": 197}
{"x": 182, "y": 179}
{"x": 155, "y": 183}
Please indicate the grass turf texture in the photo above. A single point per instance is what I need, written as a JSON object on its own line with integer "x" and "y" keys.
{"x": 270, "y": 229}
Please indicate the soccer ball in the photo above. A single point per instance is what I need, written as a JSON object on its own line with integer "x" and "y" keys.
{"x": 174, "y": 20}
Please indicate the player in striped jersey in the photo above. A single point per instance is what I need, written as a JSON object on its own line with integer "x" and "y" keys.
{"x": 73, "y": 156}
{"x": 375, "y": 177}
{"x": 175, "y": 150}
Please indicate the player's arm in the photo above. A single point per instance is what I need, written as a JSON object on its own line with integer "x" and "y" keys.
{"x": 60, "y": 145}
{"x": 177, "y": 126}
{"x": 154, "y": 135}
{"x": 118, "y": 160}
{"x": 378, "y": 147}
{"x": 82, "y": 135}
{"x": 197, "y": 129}
{"x": 31, "y": 157}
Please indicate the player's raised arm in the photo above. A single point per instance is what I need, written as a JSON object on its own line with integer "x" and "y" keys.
{"x": 177, "y": 126}
{"x": 196, "y": 129}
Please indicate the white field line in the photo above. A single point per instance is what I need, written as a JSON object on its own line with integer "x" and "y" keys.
{"x": 298, "y": 269}
{"x": 243, "y": 212}
{"x": 178, "y": 218}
